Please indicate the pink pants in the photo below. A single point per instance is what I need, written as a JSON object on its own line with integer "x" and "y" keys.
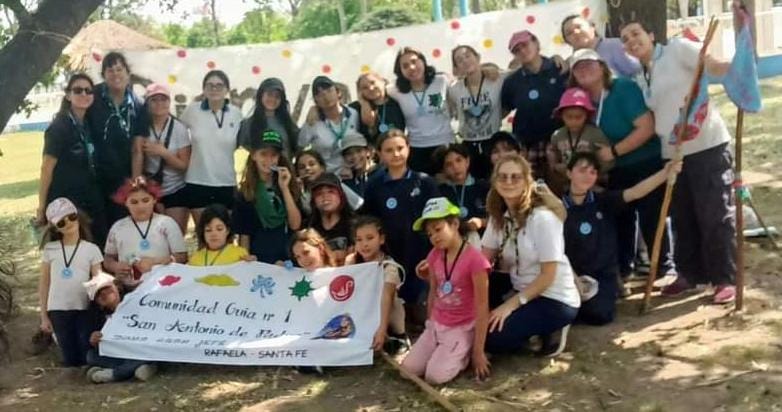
{"x": 441, "y": 352}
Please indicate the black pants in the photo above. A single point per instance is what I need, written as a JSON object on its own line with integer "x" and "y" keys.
{"x": 646, "y": 210}
{"x": 704, "y": 218}
{"x": 480, "y": 158}
{"x": 601, "y": 308}
{"x": 421, "y": 160}
{"x": 72, "y": 329}
{"x": 122, "y": 369}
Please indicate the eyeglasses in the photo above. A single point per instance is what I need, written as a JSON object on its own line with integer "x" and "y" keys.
{"x": 509, "y": 178}
{"x": 214, "y": 86}
{"x": 72, "y": 218}
{"x": 81, "y": 90}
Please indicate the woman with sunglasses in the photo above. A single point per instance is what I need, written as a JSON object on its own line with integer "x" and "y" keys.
{"x": 68, "y": 259}
{"x": 116, "y": 120}
{"x": 525, "y": 239}
{"x": 68, "y": 166}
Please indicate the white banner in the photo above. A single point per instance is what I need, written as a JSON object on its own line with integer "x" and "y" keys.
{"x": 249, "y": 314}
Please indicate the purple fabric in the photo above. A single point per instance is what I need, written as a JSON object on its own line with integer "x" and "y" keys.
{"x": 613, "y": 52}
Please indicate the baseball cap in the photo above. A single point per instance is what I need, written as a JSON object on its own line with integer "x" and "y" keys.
{"x": 436, "y": 208}
{"x": 353, "y": 140}
{"x": 584, "y": 55}
{"x": 320, "y": 83}
{"x": 58, "y": 209}
{"x": 94, "y": 285}
{"x": 519, "y": 37}
{"x": 269, "y": 138}
{"x": 155, "y": 89}
{"x": 326, "y": 179}
{"x": 506, "y": 137}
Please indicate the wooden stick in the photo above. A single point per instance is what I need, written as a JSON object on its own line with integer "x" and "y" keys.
{"x": 432, "y": 392}
{"x": 739, "y": 213}
{"x": 769, "y": 234}
{"x": 680, "y": 138}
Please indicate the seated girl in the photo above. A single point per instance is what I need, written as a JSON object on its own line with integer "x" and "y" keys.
{"x": 331, "y": 214}
{"x": 214, "y": 233}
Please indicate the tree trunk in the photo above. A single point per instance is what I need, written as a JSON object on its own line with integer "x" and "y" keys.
{"x": 475, "y": 6}
{"x": 343, "y": 20}
{"x": 36, "y": 47}
{"x": 652, "y": 12}
{"x": 215, "y": 22}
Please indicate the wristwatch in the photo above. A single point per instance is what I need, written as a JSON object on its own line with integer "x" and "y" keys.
{"x": 523, "y": 299}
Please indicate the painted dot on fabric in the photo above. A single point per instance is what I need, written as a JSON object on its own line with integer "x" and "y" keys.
{"x": 365, "y": 68}
{"x": 181, "y": 53}
{"x": 325, "y": 69}
{"x": 97, "y": 57}
{"x": 585, "y": 13}
{"x": 534, "y": 94}
{"x": 171, "y": 79}
{"x": 436, "y": 53}
{"x": 488, "y": 43}
{"x": 531, "y": 19}
{"x": 256, "y": 70}
{"x": 211, "y": 65}
{"x": 558, "y": 40}
{"x": 390, "y": 41}
{"x": 456, "y": 25}
{"x": 286, "y": 53}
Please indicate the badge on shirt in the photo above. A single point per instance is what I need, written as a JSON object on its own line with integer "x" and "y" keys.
{"x": 585, "y": 228}
{"x": 391, "y": 203}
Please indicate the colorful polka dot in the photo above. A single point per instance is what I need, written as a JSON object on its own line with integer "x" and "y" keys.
{"x": 455, "y": 25}
{"x": 586, "y": 12}
{"x": 287, "y": 54}
{"x": 531, "y": 19}
{"x": 390, "y": 41}
{"x": 256, "y": 70}
{"x": 326, "y": 69}
{"x": 181, "y": 53}
{"x": 171, "y": 79}
{"x": 488, "y": 43}
{"x": 558, "y": 40}
{"x": 436, "y": 53}
{"x": 365, "y": 68}
{"x": 211, "y": 65}
{"x": 97, "y": 57}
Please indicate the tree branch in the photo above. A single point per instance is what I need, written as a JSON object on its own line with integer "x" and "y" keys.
{"x": 20, "y": 11}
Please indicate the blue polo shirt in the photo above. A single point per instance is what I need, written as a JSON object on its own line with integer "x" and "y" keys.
{"x": 590, "y": 233}
{"x": 398, "y": 203}
{"x": 534, "y": 96}
{"x": 471, "y": 196}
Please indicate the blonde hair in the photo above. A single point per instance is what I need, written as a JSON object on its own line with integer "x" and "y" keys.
{"x": 251, "y": 175}
{"x": 534, "y": 195}
{"x": 312, "y": 237}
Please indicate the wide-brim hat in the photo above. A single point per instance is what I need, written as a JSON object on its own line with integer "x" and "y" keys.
{"x": 436, "y": 208}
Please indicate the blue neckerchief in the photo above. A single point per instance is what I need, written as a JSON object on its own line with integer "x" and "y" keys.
{"x": 568, "y": 201}
{"x": 124, "y": 113}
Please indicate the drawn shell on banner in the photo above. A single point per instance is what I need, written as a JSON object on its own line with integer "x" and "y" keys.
{"x": 218, "y": 280}
{"x": 339, "y": 327}
{"x": 169, "y": 280}
{"x": 263, "y": 285}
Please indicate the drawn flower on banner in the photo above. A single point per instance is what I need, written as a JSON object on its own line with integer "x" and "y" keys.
{"x": 301, "y": 289}
{"x": 263, "y": 285}
{"x": 169, "y": 280}
{"x": 218, "y": 280}
{"x": 339, "y": 327}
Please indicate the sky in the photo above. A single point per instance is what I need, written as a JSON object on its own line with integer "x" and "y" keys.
{"x": 229, "y": 12}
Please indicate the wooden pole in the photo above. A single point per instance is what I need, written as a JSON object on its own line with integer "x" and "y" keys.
{"x": 432, "y": 392}
{"x": 738, "y": 194}
{"x": 680, "y": 138}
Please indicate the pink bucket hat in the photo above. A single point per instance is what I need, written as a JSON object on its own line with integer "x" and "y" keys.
{"x": 58, "y": 209}
{"x": 574, "y": 97}
{"x": 155, "y": 89}
{"x": 519, "y": 37}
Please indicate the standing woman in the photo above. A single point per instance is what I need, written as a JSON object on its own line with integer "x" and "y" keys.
{"x": 421, "y": 94}
{"x": 271, "y": 112}
{"x": 379, "y": 112}
{"x": 525, "y": 234}
{"x": 335, "y": 121}
{"x": 703, "y": 212}
{"x": 214, "y": 125}
{"x": 533, "y": 91}
{"x": 628, "y": 124}
{"x": 167, "y": 153}
{"x": 116, "y": 120}
{"x": 68, "y": 166}
{"x": 476, "y": 98}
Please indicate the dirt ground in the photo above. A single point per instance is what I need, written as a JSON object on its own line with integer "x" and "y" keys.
{"x": 685, "y": 355}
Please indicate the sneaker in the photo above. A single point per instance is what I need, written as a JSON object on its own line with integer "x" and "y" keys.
{"x": 554, "y": 344}
{"x": 310, "y": 370}
{"x": 100, "y": 375}
{"x": 397, "y": 344}
{"x": 724, "y": 294}
{"x": 145, "y": 372}
{"x": 622, "y": 287}
{"x": 665, "y": 281}
{"x": 679, "y": 286}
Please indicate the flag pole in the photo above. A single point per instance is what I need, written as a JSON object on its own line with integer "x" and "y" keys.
{"x": 680, "y": 138}
{"x": 739, "y": 193}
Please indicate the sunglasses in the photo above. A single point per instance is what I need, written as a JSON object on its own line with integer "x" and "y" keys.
{"x": 72, "y": 218}
{"x": 509, "y": 178}
{"x": 81, "y": 90}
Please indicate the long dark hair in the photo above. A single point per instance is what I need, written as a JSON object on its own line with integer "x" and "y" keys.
{"x": 251, "y": 176}
{"x": 51, "y": 234}
{"x": 345, "y": 212}
{"x": 402, "y": 84}
{"x": 65, "y": 105}
{"x": 258, "y": 123}
{"x": 368, "y": 220}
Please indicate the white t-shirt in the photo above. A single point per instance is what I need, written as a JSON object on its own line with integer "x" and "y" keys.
{"x": 541, "y": 240}
{"x": 165, "y": 238}
{"x": 673, "y": 69}
{"x": 323, "y": 137}
{"x": 173, "y": 179}
{"x": 212, "y": 159}
{"x": 477, "y": 120}
{"x": 426, "y": 113}
{"x": 66, "y": 291}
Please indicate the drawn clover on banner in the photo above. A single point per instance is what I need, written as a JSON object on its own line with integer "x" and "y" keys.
{"x": 263, "y": 285}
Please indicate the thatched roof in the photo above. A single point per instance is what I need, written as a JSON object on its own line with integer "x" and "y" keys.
{"x": 104, "y": 36}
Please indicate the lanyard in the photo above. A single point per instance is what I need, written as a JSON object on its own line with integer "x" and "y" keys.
{"x": 145, "y": 232}
{"x": 383, "y": 114}
{"x": 117, "y": 112}
{"x": 600, "y": 108}
{"x": 84, "y": 137}
{"x": 220, "y": 120}
{"x": 647, "y": 72}
{"x": 448, "y": 273}
{"x": 420, "y": 102}
{"x": 574, "y": 147}
{"x": 73, "y": 255}
{"x": 343, "y": 128}
{"x": 157, "y": 135}
{"x": 474, "y": 100}
{"x": 206, "y": 256}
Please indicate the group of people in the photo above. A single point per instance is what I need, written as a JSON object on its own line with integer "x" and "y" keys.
{"x": 487, "y": 237}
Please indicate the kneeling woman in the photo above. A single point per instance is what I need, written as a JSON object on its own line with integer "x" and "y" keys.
{"x": 525, "y": 229}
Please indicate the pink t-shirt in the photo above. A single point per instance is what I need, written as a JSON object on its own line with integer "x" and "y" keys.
{"x": 458, "y": 307}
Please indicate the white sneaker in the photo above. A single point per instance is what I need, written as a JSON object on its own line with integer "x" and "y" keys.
{"x": 145, "y": 372}
{"x": 100, "y": 375}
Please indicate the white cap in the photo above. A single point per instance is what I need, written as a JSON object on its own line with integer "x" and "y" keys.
{"x": 97, "y": 283}
{"x": 58, "y": 209}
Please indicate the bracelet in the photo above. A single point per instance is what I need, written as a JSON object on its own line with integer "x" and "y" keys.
{"x": 614, "y": 152}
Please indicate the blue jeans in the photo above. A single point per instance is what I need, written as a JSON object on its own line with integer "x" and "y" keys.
{"x": 540, "y": 316}
{"x": 72, "y": 329}
{"x": 123, "y": 369}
